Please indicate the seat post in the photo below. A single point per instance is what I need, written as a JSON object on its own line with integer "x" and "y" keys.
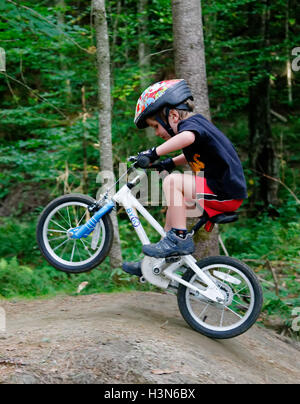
{"x": 204, "y": 218}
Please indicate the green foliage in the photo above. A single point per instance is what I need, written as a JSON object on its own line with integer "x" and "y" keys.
{"x": 276, "y": 239}
{"x": 24, "y": 272}
{"x": 17, "y": 239}
{"x": 27, "y": 281}
{"x": 232, "y": 52}
{"x": 17, "y": 280}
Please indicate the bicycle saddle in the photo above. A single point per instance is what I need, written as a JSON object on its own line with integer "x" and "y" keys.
{"x": 226, "y": 217}
{"x": 209, "y": 222}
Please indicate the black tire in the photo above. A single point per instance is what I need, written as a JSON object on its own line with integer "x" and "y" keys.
{"x": 251, "y": 315}
{"x": 76, "y": 201}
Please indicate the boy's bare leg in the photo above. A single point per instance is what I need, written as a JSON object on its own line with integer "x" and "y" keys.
{"x": 177, "y": 188}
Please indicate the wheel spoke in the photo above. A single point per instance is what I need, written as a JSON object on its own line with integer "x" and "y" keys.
{"x": 78, "y": 252}
{"x": 70, "y": 224}
{"x": 222, "y": 317}
{"x": 86, "y": 247}
{"x": 73, "y": 249}
{"x": 63, "y": 251}
{"x": 81, "y": 219}
{"x": 232, "y": 311}
{"x": 61, "y": 215}
{"x": 240, "y": 304}
{"x": 237, "y": 293}
{"x": 54, "y": 249}
{"x": 75, "y": 214}
{"x": 58, "y": 238}
{"x": 204, "y": 310}
{"x": 58, "y": 231}
{"x": 57, "y": 224}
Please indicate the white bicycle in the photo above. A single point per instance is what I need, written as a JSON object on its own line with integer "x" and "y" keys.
{"x": 219, "y": 297}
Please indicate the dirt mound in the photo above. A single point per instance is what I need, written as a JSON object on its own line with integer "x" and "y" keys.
{"x": 131, "y": 338}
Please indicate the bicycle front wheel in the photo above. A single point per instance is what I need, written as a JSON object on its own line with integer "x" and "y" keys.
{"x": 62, "y": 252}
{"x": 242, "y": 293}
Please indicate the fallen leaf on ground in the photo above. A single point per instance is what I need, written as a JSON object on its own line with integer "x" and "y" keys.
{"x": 81, "y": 286}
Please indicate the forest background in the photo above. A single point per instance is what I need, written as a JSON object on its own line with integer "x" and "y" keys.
{"x": 49, "y": 130}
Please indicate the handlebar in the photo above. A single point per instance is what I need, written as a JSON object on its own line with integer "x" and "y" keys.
{"x": 142, "y": 162}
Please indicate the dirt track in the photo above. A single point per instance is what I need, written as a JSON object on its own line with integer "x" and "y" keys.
{"x": 131, "y": 338}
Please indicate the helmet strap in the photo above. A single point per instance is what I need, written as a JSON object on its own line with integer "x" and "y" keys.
{"x": 165, "y": 125}
{"x": 183, "y": 107}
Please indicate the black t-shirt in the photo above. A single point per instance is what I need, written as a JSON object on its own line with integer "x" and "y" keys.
{"x": 213, "y": 152}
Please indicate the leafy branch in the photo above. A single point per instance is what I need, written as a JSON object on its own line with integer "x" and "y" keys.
{"x": 32, "y": 91}
{"x": 50, "y": 23}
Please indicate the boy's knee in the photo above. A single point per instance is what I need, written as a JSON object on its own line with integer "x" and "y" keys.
{"x": 172, "y": 180}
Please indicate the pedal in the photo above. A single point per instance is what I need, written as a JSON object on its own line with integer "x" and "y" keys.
{"x": 171, "y": 260}
{"x": 142, "y": 279}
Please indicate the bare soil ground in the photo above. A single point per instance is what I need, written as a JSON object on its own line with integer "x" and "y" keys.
{"x": 132, "y": 338}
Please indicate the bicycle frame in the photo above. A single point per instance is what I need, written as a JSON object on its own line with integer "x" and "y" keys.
{"x": 125, "y": 198}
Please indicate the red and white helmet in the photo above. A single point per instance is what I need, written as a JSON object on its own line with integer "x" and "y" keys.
{"x": 167, "y": 93}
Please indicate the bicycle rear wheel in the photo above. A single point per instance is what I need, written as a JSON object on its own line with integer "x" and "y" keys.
{"x": 62, "y": 252}
{"x": 242, "y": 293}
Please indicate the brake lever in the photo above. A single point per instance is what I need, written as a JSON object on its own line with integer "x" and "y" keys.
{"x": 154, "y": 166}
{"x": 132, "y": 159}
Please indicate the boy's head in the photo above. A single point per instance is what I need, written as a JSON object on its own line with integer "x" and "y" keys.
{"x": 164, "y": 103}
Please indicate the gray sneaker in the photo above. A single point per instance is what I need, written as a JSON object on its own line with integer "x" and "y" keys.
{"x": 170, "y": 246}
{"x": 133, "y": 268}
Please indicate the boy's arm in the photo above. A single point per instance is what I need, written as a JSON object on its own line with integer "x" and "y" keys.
{"x": 177, "y": 142}
{"x": 180, "y": 160}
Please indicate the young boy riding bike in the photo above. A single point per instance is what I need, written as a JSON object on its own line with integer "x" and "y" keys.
{"x": 167, "y": 107}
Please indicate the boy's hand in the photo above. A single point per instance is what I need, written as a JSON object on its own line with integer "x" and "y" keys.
{"x": 165, "y": 165}
{"x": 151, "y": 154}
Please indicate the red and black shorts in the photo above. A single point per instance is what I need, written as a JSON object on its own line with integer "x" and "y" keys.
{"x": 210, "y": 202}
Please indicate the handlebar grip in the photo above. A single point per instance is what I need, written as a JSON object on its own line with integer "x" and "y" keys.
{"x": 143, "y": 161}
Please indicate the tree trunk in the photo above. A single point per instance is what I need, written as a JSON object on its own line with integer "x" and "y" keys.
{"x": 190, "y": 65}
{"x": 144, "y": 60}
{"x": 189, "y": 50}
{"x": 104, "y": 108}
{"x": 288, "y": 60}
{"x": 115, "y": 27}
{"x": 63, "y": 60}
{"x": 262, "y": 155}
{"x": 85, "y": 183}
